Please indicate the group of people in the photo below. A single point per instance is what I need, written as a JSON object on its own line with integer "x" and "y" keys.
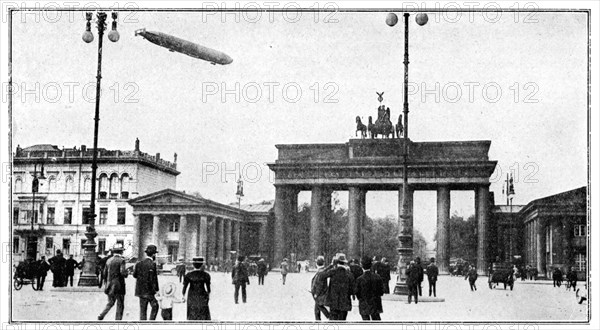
{"x": 147, "y": 287}
{"x": 63, "y": 270}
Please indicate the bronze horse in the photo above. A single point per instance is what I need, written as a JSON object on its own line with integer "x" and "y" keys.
{"x": 399, "y": 127}
{"x": 360, "y": 127}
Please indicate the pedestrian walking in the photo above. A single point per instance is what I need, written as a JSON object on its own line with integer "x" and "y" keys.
{"x": 383, "y": 270}
{"x": 557, "y": 276}
{"x": 70, "y": 266}
{"x": 341, "y": 288}
{"x": 239, "y": 277}
{"x": 180, "y": 269}
{"x": 319, "y": 290}
{"x": 412, "y": 281}
{"x": 581, "y": 295}
{"x": 284, "y": 268}
{"x": 116, "y": 272}
{"x": 369, "y": 289}
{"x": 355, "y": 268}
{"x": 472, "y": 275}
{"x": 42, "y": 271}
{"x": 100, "y": 267}
{"x": 166, "y": 298}
{"x": 57, "y": 266}
{"x": 261, "y": 271}
{"x": 198, "y": 281}
{"x": 421, "y": 275}
{"x": 146, "y": 285}
{"x": 572, "y": 279}
{"x": 432, "y": 275}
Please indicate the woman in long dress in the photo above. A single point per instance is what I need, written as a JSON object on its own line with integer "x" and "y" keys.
{"x": 199, "y": 282}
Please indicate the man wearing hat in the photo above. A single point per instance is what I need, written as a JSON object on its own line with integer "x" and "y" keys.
{"x": 57, "y": 266}
{"x": 70, "y": 265}
{"x": 115, "y": 273}
{"x": 369, "y": 289}
{"x": 180, "y": 268}
{"x": 239, "y": 276}
{"x": 341, "y": 288}
{"x": 432, "y": 275}
{"x": 199, "y": 282}
{"x": 319, "y": 290}
{"x": 146, "y": 285}
{"x": 284, "y": 267}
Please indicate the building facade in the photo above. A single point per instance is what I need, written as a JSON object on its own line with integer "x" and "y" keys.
{"x": 547, "y": 233}
{"x": 183, "y": 226}
{"x": 56, "y": 218}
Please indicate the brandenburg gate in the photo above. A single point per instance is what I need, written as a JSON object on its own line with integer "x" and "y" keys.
{"x": 361, "y": 165}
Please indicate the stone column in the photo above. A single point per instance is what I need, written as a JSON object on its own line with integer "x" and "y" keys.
{"x": 203, "y": 237}
{"x": 262, "y": 239}
{"x": 405, "y": 232}
{"x": 316, "y": 207}
{"x": 482, "y": 224}
{"x": 192, "y": 240}
{"x": 567, "y": 240}
{"x": 354, "y": 208}
{"x": 212, "y": 238}
{"x": 443, "y": 229}
{"x": 236, "y": 235}
{"x": 541, "y": 246}
{"x": 362, "y": 215}
{"x": 281, "y": 213}
{"x": 326, "y": 214}
{"x": 136, "y": 239}
{"x": 220, "y": 238}
{"x": 227, "y": 237}
{"x": 155, "y": 229}
{"x": 182, "y": 249}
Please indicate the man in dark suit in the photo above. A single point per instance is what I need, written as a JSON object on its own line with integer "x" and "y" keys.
{"x": 239, "y": 276}
{"x": 146, "y": 285}
{"x": 261, "y": 270}
{"x": 42, "y": 268}
{"x": 115, "y": 273}
{"x": 432, "y": 275}
{"x": 412, "y": 281}
{"x": 421, "y": 275}
{"x": 341, "y": 288}
{"x": 319, "y": 290}
{"x": 70, "y": 266}
{"x": 369, "y": 289}
{"x": 57, "y": 266}
{"x": 355, "y": 268}
{"x": 383, "y": 271}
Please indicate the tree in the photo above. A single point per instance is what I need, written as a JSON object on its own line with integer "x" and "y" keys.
{"x": 463, "y": 237}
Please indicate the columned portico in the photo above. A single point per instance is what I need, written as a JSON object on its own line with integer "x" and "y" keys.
{"x": 359, "y": 166}
{"x": 184, "y": 226}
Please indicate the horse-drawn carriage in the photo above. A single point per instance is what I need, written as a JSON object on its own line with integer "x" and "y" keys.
{"x": 25, "y": 273}
{"x": 501, "y": 273}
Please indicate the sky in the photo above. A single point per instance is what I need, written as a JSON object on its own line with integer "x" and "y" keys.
{"x": 518, "y": 80}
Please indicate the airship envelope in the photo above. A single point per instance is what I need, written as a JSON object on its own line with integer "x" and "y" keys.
{"x": 179, "y": 45}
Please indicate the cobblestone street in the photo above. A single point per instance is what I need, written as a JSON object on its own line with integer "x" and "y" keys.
{"x": 292, "y": 302}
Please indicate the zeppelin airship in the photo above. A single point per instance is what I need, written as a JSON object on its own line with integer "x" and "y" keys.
{"x": 179, "y": 45}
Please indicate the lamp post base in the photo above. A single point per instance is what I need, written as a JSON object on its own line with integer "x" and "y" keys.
{"x": 88, "y": 276}
{"x": 401, "y": 288}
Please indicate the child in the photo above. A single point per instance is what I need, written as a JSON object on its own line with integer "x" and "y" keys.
{"x": 581, "y": 294}
{"x": 166, "y": 298}
{"x": 472, "y": 275}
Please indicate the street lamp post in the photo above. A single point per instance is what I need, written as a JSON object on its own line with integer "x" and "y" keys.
{"x": 405, "y": 230}
{"x": 35, "y": 185}
{"x": 88, "y": 276}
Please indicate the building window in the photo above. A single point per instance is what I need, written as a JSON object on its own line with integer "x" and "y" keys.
{"x": 50, "y": 216}
{"x": 18, "y": 185}
{"x": 103, "y": 216}
{"x": 68, "y": 215}
{"x": 49, "y": 243}
{"x": 125, "y": 186}
{"x": 85, "y": 216}
{"x": 16, "y": 245}
{"x": 69, "y": 184}
{"x": 52, "y": 184}
{"x": 579, "y": 230}
{"x": 174, "y": 226}
{"x": 580, "y": 261}
{"x": 114, "y": 186}
{"x": 87, "y": 184}
{"x": 66, "y": 246}
{"x": 103, "y": 189}
{"x": 122, "y": 242}
{"x": 15, "y": 215}
{"x": 102, "y": 245}
{"x": 121, "y": 216}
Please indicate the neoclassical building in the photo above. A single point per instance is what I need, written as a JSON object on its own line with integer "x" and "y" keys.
{"x": 183, "y": 226}
{"x": 62, "y": 201}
